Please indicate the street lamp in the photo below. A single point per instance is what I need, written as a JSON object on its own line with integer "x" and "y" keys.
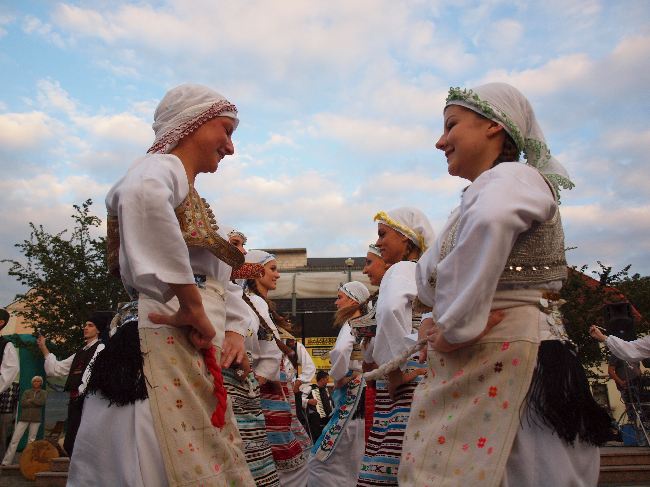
{"x": 349, "y": 262}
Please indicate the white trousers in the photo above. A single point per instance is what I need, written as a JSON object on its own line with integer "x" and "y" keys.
{"x": 21, "y": 426}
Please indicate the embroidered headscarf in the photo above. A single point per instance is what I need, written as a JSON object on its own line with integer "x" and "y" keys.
{"x": 355, "y": 290}
{"x": 237, "y": 233}
{"x": 184, "y": 109}
{"x": 259, "y": 257}
{"x": 411, "y": 223}
{"x": 373, "y": 249}
{"x": 507, "y": 106}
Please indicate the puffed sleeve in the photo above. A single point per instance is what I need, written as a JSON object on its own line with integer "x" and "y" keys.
{"x": 152, "y": 250}
{"x": 237, "y": 311}
{"x": 340, "y": 354}
{"x": 501, "y": 203}
{"x": 633, "y": 351}
{"x": 10, "y": 367}
{"x": 394, "y": 311}
{"x": 308, "y": 368}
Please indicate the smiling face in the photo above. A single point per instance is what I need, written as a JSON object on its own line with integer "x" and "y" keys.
{"x": 204, "y": 148}
{"x": 375, "y": 268}
{"x": 268, "y": 281}
{"x": 471, "y": 143}
{"x": 344, "y": 301}
{"x": 391, "y": 243}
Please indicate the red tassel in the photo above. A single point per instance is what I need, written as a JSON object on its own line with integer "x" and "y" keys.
{"x": 218, "y": 417}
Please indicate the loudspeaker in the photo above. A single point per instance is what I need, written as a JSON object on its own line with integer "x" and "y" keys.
{"x": 619, "y": 321}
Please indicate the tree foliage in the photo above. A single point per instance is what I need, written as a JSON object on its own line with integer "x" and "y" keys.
{"x": 67, "y": 278}
{"x": 585, "y": 297}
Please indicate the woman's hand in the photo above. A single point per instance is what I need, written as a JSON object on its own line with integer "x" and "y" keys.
{"x": 595, "y": 332}
{"x": 190, "y": 313}
{"x": 233, "y": 349}
{"x": 427, "y": 328}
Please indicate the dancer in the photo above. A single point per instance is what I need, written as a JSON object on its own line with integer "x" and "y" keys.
{"x": 404, "y": 233}
{"x": 9, "y": 390}
{"x": 157, "y": 389}
{"x": 31, "y": 410}
{"x": 77, "y": 368}
{"x": 268, "y": 351}
{"x": 632, "y": 351}
{"x": 507, "y": 404}
{"x": 336, "y": 455}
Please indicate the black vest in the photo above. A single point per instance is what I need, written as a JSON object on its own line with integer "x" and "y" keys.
{"x": 79, "y": 363}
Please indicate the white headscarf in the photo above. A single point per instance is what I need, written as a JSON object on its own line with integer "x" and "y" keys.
{"x": 411, "y": 223}
{"x": 373, "y": 249}
{"x": 507, "y": 106}
{"x": 355, "y": 290}
{"x": 184, "y": 109}
{"x": 259, "y": 257}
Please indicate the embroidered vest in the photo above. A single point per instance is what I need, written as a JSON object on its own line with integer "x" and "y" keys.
{"x": 79, "y": 363}
{"x": 198, "y": 227}
{"x": 537, "y": 255}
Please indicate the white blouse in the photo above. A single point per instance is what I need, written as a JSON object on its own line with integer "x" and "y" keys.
{"x": 633, "y": 351}
{"x": 394, "y": 311}
{"x": 266, "y": 354}
{"x": 152, "y": 250}
{"x": 340, "y": 354}
{"x": 499, "y": 205}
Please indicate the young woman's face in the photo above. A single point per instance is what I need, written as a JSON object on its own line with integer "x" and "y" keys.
{"x": 270, "y": 277}
{"x": 375, "y": 268}
{"x": 465, "y": 141}
{"x": 391, "y": 243}
{"x": 344, "y": 301}
{"x": 211, "y": 142}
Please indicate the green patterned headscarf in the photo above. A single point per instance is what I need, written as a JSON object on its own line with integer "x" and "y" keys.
{"x": 505, "y": 105}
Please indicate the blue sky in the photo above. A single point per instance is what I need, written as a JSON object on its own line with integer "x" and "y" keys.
{"x": 340, "y": 105}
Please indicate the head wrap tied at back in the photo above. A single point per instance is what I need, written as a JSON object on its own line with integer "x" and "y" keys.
{"x": 373, "y": 249}
{"x": 183, "y": 110}
{"x": 355, "y": 290}
{"x": 411, "y": 223}
{"x": 507, "y": 106}
{"x": 259, "y": 257}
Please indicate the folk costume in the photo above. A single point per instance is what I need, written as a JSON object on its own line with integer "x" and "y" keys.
{"x": 289, "y": 454}
{"x": 9, "y": 390}
{"x": 170, "y": 420}
{"x": 514, "y": 408}
{"x": 395, "y": 318}
{"x": 337, "y": 453}
{"x": 77, "y": 368}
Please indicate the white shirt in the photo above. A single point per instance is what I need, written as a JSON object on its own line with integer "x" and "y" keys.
{"x": 633, "y": 351}
{"x": 499, "y": 205}
{"x": 10, "y": 367}
{"x": 60, "y": 368}
{"x": 152, "y": 250}
{"x": 307, "y": 368}
{"x": 266, "y": 354}
{"x": 340, "y": 354}
{"x": 394, "y": 311}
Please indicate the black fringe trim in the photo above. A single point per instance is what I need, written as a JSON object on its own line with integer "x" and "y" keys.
{"x": 560, "y": 397}
{"x": 117, "y": 373}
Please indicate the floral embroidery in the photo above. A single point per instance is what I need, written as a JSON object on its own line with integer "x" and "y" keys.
{"x": 490, "y": 450}
{"x": 459, "y": 373}
{"x": 505, "y": 346}
{"x": 442, "y": 362}
{"x": 487, "y": 417}
{"x": 179, "y": 403}
{"x": 465, "y": 447}
{"x": 170, "y": 340}
{"x": 516, "y": 361}
{"x": 498, "y": 367}
{"x": 476, "y": 400}
{"x": 481, "y": 378}
{"x": 455, "y": 394}
{"x": 505, "y": 404}
{"x": 492, "y": 391}
{"x": 177, "y": 382}
{"x": 422, "y": 413}
{"x": 441, "y": 440}
{"x": 481, "y": 442}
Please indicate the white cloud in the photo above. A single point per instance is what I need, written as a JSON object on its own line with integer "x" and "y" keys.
{"x": 26, "y": 131}
{"x": 122, "y": 127}
{"x": 33, "y": 25}
{"x": 52, "y": 96}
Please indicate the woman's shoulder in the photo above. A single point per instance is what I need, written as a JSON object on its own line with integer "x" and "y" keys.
{"x": 403, "y": 268}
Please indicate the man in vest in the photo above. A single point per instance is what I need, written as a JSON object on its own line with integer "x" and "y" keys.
{"x": 319, "y": 405}
{"x": 77, "y": 370}
{"x": 9, "y": 367}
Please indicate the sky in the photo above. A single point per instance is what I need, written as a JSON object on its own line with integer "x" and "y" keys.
{"x": 340, "y": 105}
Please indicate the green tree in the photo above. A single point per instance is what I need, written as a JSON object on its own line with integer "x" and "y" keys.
{"x": 585, "y": 297}
{"x": 67, "y": 278}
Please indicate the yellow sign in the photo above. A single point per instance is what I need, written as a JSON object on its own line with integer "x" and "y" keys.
{"x": 319, "y": 348}
{"x": 320, "y": 342}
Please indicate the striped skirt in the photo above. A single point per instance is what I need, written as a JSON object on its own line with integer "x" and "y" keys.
{"x": 384, "y": 446}
{"x": 246, "y": 406}
{"x": 287, "y": 451}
